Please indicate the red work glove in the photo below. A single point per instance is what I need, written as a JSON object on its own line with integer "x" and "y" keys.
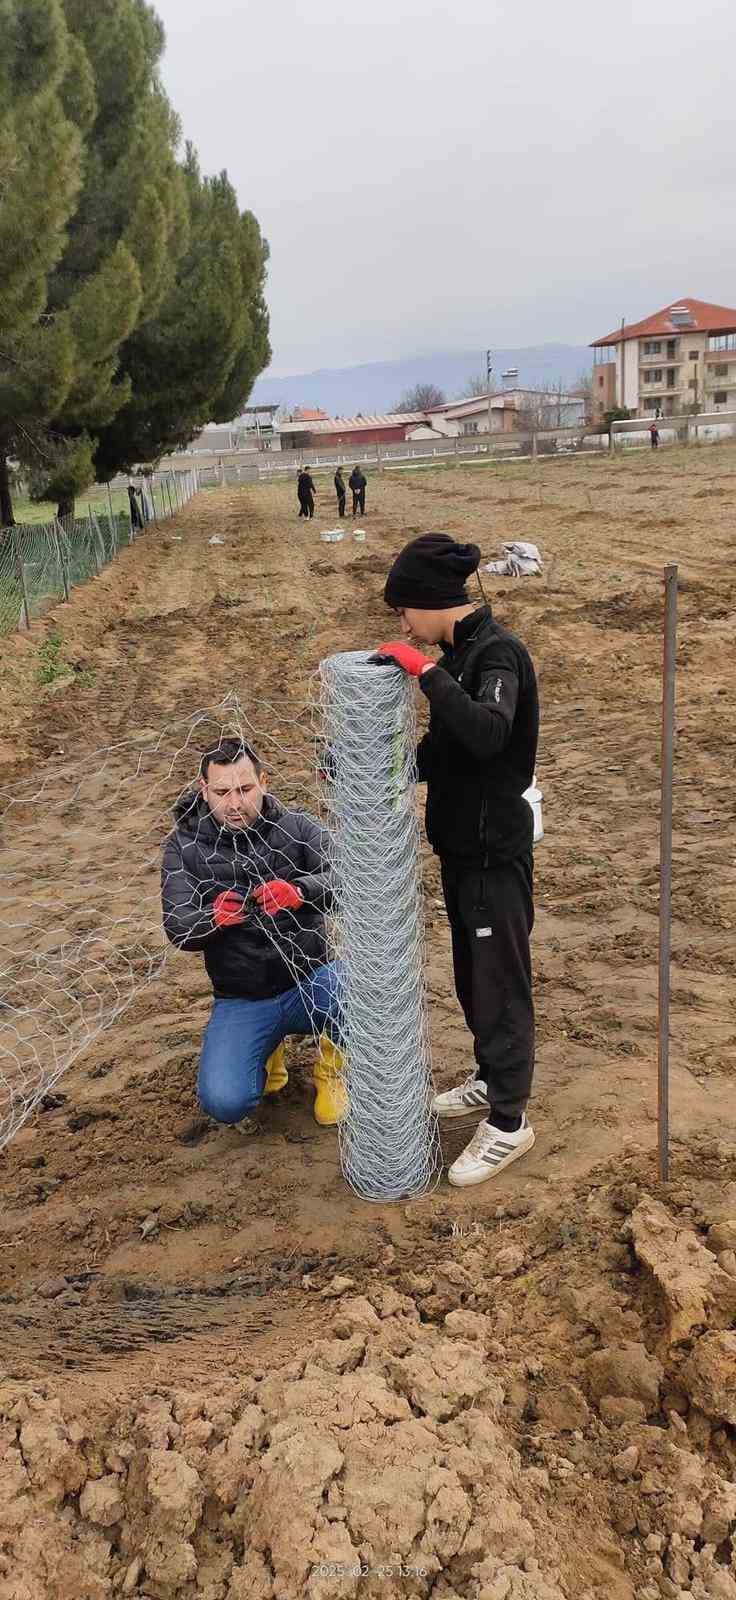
{"x": 228, "y": 909}
{"x": 278, "y": 895}
{"x": 405, "y": 656}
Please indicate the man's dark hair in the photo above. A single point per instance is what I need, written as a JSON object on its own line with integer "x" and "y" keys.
{"x": 227, "y": 753}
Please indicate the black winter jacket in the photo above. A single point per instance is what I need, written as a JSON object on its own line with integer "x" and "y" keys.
{"x": 264, "y": 956}
{"x": 357, "y": 480}
{"x": 480, "y": 752}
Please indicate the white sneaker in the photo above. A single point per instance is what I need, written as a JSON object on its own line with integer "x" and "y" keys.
{"x": 471, "y": 1095}
{"x": 489, "y": 1151}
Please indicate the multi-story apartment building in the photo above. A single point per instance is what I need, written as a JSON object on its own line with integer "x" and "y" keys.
{"x": 678, "y": 361}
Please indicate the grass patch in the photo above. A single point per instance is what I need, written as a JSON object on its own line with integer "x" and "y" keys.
{"x": 54, "y": 668}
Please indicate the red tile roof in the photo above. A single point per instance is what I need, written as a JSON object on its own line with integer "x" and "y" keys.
{"x": 392, "y": 419}
{"x": 706, "y": 319}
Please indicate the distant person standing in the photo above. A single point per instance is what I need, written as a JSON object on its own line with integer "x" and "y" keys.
{"x": 340, "y": 492}
{"x": 654, "y": 436}
{"x": 358, "y": 484}
{"x": 136, "y": 520}
{"x": 305, "y": 492}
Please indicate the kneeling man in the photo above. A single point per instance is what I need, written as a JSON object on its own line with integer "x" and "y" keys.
{"x": 246, "y": 882}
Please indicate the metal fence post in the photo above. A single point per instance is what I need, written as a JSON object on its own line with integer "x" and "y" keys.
{"x": 93, "y": 535}
{"x": 22, "y": 577}
{"x": 58, "y": 532}
{"x": 665, "y": 866}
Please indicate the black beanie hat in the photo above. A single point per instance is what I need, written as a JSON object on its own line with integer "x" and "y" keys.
{"x": 430, "y": 574}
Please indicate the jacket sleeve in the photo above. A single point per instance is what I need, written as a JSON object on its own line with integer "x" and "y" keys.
{"x": 483, "y": 723}
{"x": 187, "y": 917}
{"x": 423, "y": 759}
{"x": 315, "y": 878}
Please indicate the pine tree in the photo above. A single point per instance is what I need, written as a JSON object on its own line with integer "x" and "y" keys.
{"x": 127, "y": 230}
{"x": 197, "y": 360}
{"x": 40, "y": 177}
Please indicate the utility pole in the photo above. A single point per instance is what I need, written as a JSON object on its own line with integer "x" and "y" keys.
{"x": 489, "y": 373}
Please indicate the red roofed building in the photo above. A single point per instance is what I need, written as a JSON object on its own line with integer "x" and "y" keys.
{"x": 680, "y": 360}
{"x": 328, "y": 431}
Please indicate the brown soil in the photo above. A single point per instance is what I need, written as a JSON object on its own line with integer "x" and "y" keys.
{"x": 523, "y": 1391}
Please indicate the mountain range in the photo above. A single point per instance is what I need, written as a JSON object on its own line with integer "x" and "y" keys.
{"x": 378, "y": 386}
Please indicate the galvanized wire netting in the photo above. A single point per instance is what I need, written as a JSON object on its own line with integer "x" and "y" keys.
{"x": 389, "y": 1138}
{"x": 41, "y": 562}
{"x": 80, "y": 906}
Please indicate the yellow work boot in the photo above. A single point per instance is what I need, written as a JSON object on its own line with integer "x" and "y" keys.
{"x": 331, "y": 1101}
{"x": 277, "y": 1076}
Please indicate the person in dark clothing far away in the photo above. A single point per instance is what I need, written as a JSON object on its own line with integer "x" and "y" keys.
{"x": 358, "y": 483}
{"x": 246, "y": 882}
{"x": 654, "y": 436}
{"x": 477, "y": 760}
{"x": 305, "y": 493}
{"x": 340, "y": 492}
{"x": 135, "y": 513}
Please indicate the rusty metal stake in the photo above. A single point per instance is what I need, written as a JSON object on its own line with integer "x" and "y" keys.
{"x": 665, "y": 868}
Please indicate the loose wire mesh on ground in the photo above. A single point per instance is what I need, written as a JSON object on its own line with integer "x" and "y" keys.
{"x": 389, "y": 1139}
{"x": 80, "y": 903}
{"x": 81, "y": 932}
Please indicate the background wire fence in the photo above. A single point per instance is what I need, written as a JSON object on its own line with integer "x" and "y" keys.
{"x": 41, "y": 562}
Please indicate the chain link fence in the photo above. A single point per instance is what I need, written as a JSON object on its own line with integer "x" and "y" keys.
{"x": 41, "y": 562}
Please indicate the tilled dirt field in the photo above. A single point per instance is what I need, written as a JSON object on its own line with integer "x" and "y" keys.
{"x": 222, "y": 1375}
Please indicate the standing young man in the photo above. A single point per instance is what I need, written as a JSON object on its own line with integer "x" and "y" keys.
{"x": 358, "y": 483}
{"x": 246, "y": 883}
{"x": 305, "y": 493}
{"x": 477, "y": 760}
{"x": 340, "y": 492}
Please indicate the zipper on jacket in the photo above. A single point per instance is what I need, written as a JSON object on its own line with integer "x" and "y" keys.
{"x": 484, "y": 832}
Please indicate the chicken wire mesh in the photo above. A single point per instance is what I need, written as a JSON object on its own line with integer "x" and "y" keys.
{"x": 41, "y": 562}
{"x": 81, "y": 933}
{"x": 389, "y": 1137}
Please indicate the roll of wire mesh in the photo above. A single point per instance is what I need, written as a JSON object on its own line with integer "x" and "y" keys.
{"x": 389, "y": 1139}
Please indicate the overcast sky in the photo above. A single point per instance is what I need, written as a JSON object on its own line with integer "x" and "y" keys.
{"x": 440, "y": 176}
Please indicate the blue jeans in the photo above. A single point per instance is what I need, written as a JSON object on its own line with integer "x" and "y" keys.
{"x": 242, "y": 1034}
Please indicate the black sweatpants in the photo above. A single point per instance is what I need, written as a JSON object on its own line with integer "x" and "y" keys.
{"x": 341, "y": 504}
{"x": 359, "y": 501}
{"x": 491, "y": 916}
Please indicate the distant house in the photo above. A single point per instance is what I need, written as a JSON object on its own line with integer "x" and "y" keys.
{"x": 680, "y": 359}
{"x": 463, "y": 417}
{"x": 511, "y": 410}
{"x": 391, "y": 428}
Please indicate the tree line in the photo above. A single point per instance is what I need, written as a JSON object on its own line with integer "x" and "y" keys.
{"x": 132, "y": 307}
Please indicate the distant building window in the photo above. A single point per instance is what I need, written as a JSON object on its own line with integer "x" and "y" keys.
{"x": 722, "y": 341}
{"x": 720, "y": 397}
{"x": 693, "y": 384}
{"x": 600, "y": 381}
{"x": 653, "y": 347}
{"x": 694, "y": 355}
{"x": 720, "y": 370}
{"x": 654, "y": 376}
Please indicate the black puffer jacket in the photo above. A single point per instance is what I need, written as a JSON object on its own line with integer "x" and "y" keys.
{"x": 264, "y": 956}
{"x": 479, "y": 754}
